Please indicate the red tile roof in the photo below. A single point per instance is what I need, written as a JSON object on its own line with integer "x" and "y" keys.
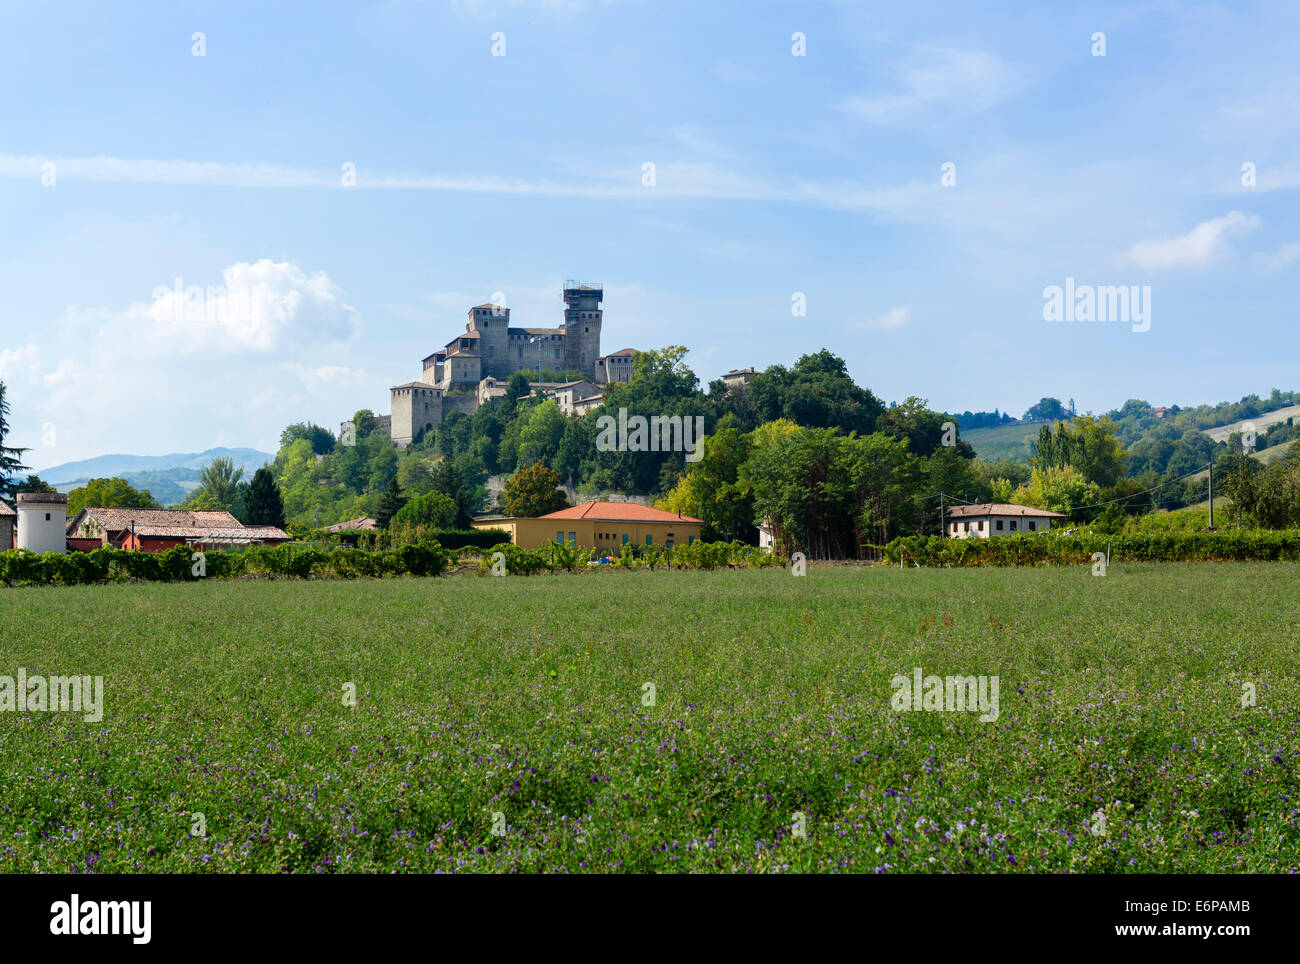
{"x": 1000, "y": 508}
{"x": 619, "y": 512}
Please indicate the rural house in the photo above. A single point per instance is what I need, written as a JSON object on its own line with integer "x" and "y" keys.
{"x": 607, "y": 526}
{"x": 8, "y": 519}
{"x": 997, "y": 519}
{"x": 156, "y": 530}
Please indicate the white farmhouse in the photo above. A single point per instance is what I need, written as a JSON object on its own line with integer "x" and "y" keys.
{"x": 996, "y": 519}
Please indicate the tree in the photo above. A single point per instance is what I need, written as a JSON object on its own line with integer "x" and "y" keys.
{"x": 389, "y": 505}
{"x": 35, "y": 483}
{"x": 109, "y": 494}
{"x": 434, "y": 509}
{"x": 451, "y": 481}
{"x": 534, "y": 491}
{"x": 1047, "y": 409}
{"x": 218, "y": 486}
{"x": 365, "y": 422}
{"x": 322, "y": 440}
{"x": 517, "y": 387}
{"x": 263, "y": 505}
{"x": 10, "y": 458}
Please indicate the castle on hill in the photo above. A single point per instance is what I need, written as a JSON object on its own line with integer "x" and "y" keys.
{"x": 475, "y": 365}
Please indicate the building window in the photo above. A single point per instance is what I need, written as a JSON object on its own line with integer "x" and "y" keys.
{"x": 1033, "y": 526}
{"x": 981, "y": 527}
{"x": 625, "y": 538}
{"x": 999, "y": 525}
{"x": 690, "y": 540}
{"x": 669, "y": 543}
{"x": 47, "y": 517}
{"x": 649, "y": 540}
{"x": 559, "y": 537}
{"x": 1013, "y": 525}
{"x": 573, "y": 538}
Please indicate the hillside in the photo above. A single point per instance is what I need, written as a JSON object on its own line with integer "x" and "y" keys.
{"x": 1220, "y": 433}
{"x": 108, "y": 466}
{"x": 1003, "y": 442}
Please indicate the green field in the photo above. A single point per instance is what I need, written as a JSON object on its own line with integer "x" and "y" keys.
{"x": 1003, "y": 442}
{"x": 1121, "y": 744}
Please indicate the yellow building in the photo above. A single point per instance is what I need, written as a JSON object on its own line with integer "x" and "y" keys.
{"x": 607, "y": 526}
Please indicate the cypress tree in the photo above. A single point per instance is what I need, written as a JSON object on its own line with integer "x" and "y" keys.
{"x": 263, "y": 503}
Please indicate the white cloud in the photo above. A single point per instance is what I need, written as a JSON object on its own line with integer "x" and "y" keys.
{"x": 1282, "y": 256}
{"x": 1201, "y": 246}
{"x": 975, "y": 79}
{"x": 674, "y": 179}
{"x": 157, "y": 375}
{"x": 22, "y": 363}
{"x": 257, "y": 307}
{"x": 892, "y": 319}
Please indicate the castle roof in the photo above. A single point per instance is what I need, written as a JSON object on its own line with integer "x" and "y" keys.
{"x": 621, "y": 351}
{"x": 619, "y": 512}
{"x": 426, "y": 385}
{"x": 520, "y": 332}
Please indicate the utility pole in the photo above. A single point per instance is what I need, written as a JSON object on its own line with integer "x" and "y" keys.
{"x": 942, "y": 531}
{"x": 1211, "y": 493}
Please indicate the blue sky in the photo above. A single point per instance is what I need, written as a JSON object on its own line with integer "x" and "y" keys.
{"x": 774, "y": 174}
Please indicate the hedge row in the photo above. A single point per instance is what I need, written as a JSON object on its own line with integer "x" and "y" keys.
{"x": 383, "y": 539}
{"x": 181, "y": 564}
{"x": 697, "y": 555}
{"x": 1066, "y": 550}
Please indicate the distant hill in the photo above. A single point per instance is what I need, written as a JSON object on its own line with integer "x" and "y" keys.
{"x": 1004, "y": 441}
{"x": 109, "y": 466}
{"x": 1220, "y": 433}
{"x": 167, "y": 486}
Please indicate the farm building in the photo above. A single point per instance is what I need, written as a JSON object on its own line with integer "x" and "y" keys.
{"x": 156, "y": 530}
{"x": 997, "y": 519}
{"x": 8, "y": 519}
{"x": 601, "y": 525}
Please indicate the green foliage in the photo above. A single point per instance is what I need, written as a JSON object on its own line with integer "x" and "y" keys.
{"x": 109, "y": 494}
{"x": 1060, "y": 549}
{"x": 534, "y": 491}
{"x": 434, "y": 509}
{"x": 1089, "y": 445}
{"x": 34, "y": 483}
{"x": 263, "y": 505}
{"x": 391, "y": 504}
{"x": 10, "y": 458}
{"x": 321, "y": 440}
{"x": 218, "y": 486}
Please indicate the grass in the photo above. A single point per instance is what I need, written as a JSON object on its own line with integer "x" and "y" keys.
{"x": 1120, "y": 708}
{"x": 1003, "y": 441}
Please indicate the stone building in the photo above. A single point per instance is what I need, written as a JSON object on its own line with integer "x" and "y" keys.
{"x": 476, "y": 364}
{"x": 8, "y": 519}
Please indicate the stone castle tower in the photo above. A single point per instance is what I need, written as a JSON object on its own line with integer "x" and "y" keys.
{"x": 582, "y": 317}
{"x": 470, "y": 367}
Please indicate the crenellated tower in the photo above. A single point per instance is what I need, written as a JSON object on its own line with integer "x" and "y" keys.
{"x": 582, "y": 315}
